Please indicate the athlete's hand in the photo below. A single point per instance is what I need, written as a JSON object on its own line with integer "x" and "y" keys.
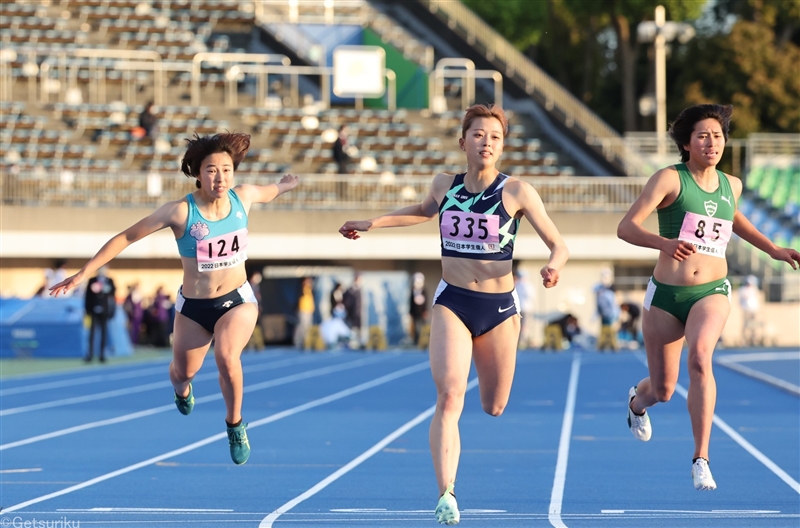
{"x": 64, "y": 286}
{"x": 351, "y": 227}
{"x": 678, "y": 249}
{"x": 290, "y": 181}
{"x": 787, "y": 255}
{"x": 549, "y": 276}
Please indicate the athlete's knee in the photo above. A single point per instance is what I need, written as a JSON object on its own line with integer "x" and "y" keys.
{"x": 493, "y": 408}
{"x": 450, "y": 401}
{"x": 663, "y": 393}
{"x": 699, "y": 364}
{"x": 182, "y": 372}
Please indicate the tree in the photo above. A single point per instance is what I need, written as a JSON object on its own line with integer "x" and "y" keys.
{"x": 583, "y": 31}
{"x": 752, "y": 68}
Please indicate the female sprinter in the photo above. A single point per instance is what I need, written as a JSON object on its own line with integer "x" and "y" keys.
{"x": 688, "y": 295}
{"x": 475, "y": 308}
{"x": 215, "y": 299}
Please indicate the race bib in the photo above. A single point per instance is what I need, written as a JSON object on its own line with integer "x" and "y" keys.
{"x": 708, "y": 234}
{"x": 470, "y": 232}
{"x": 224, "y": 251}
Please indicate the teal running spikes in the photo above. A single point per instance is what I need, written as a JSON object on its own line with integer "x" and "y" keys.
{"x": 447, "y": 508}
{"x": 185, "y": 405}
{"x": 240, "y": 445}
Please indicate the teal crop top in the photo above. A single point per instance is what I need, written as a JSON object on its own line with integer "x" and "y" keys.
{"x": 215, "y": 245}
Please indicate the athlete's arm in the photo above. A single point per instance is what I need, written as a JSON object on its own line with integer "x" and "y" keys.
{"x": 168, "y": 215}
{"x": 250, "y": 194}
{"x": 658, "y": 188}
{"x": 407, "y": 216}
{"x": 530, "y": 203}
{"x": 748, "y": 232}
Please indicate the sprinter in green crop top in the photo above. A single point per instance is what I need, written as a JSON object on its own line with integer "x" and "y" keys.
{"x": 215, "y": 300}
{"x": 689, "y": 294}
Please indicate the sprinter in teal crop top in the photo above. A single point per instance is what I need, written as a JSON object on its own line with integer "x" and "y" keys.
{"x": 215, "y": 301}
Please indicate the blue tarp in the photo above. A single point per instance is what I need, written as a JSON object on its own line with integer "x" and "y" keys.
{"x": 49, "y": 327}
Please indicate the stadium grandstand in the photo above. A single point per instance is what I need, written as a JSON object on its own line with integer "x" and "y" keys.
{"x": 75, "y": 76}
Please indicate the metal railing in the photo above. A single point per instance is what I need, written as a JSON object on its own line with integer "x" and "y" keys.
{"x": 329, "y": 12}
{"x": 380, "y": 192}
{"x": 555, "y": 98}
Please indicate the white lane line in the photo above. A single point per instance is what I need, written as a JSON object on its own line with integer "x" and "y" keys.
{"x": 690, "y": 511}
{"x": 143, "y": 510}
{"x": 759, "y": 356}
{"x": 252, "y": 425}
{"x": 16, "y": 316}
{"x": 81, "y": 381}
{"x": 131, "y": 390}
{"x": 766, "y": 378}
{"x": 557, "y": 495}
{"x": 132, "y": 374}
{"x": 203, "y": 399}
{"x": 739, "y": 439}
{"x": 267, "y": 521}
{"x": 21, "y": 470}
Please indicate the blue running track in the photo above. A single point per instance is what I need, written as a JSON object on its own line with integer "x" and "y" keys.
{"x": 341, "y": 440}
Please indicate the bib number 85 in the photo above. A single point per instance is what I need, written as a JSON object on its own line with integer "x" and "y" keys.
{"x": 700, "y": 231}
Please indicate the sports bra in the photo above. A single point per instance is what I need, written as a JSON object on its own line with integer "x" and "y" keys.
{"x": 476, "y": 225}
{"x": 215, "y": 245}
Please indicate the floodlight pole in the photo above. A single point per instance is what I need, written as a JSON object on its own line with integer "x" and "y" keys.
{"x": 661, "y": 80}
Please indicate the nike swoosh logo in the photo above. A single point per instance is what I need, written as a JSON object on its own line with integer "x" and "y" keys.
{"x": 487, "y": 197}
{"x": 501, "y": 310}
{"x": 719, "y": 289}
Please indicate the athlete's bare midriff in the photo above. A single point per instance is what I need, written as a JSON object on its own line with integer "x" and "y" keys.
{"x": 209, "y": 284}
{"x": 697, "y": 269}
{"x": 487, "y": 276}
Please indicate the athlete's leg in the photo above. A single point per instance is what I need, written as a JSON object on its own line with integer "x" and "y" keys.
{"x": 663, "y": 340}
{"x": 190, "y": 342}
{"x": 232, "y": 332}
{"x": 703, "y": 328}
{"x": 450, "y": 355}
{"x": 495, "y": 356}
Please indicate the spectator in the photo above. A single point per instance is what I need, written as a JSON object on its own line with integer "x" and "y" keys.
{"x": 340, "y": 150}
{"x": 148, "y": 120}
{"x": 525, "y": 293}
{"x": 749, "y": 302}
{"x": 53, "y": 276}
{"x": 334, "y": 331}
{"x": 418, "y": 306}
{"x": 257, "y": 337}
{"x": 352, "y": 306}
{"x": 337, "y": 297}
{"x": 305, "y": 312}
{"x": 100, "y": 306}
{"x": 629, "y": 317}
{"x": 608, "y": 309}
{"x": 157, "y": 319}
{"x": 134, "y": 309}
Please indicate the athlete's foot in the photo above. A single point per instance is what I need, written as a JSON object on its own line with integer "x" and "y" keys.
{"x": 185, "y": 404}
{"x": 638, "y": 423}
{"x": 447, "y": 508}
{"x": 238, "y": 442}
{"x": 701, "y": 475}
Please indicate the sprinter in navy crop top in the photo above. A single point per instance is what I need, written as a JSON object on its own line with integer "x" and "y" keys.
{"x": 475, "y": 309}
